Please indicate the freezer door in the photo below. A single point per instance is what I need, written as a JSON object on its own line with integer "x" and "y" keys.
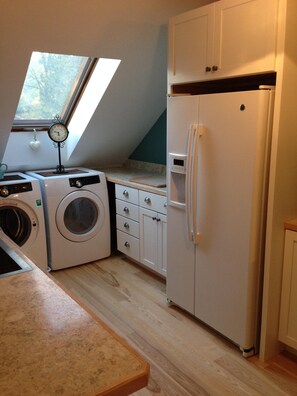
{"x": 232, "y": 176}
{"x": 182, "y": 112}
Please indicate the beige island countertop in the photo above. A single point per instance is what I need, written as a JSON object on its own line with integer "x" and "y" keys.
{"x": 51, "y": 345}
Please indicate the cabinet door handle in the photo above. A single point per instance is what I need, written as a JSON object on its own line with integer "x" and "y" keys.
{"x": 158, "y": 219}
{"x": 165, "y": 205}
{"x": 125, "y": 193}
{"x": 147, "y": 200}
{"x": 208, "y": 69}
{"x": 214, "y": 68}
{"x": 126, "y": 210}
{"x": 127, "y": 244}
{"x": 154, "y": 218}
{"x": 126, "y": 225}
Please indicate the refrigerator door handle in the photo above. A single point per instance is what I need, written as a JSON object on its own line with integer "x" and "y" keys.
{"x": 189, "y": 183}
{"x": 198, "y": 133}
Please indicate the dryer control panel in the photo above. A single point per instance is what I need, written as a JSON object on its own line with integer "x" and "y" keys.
{"x": 9, "y": 189}
{"x": 79, "y": 182}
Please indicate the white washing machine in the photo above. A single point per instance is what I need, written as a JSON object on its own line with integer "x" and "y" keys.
{"x": 22, "y": 216}
{"x": 76, "y": 216}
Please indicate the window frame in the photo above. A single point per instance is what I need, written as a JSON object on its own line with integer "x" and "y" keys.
{"x": 69, "y": 108}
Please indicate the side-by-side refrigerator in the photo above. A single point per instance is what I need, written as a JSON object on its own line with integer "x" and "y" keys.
{"x": 217, "y": 168}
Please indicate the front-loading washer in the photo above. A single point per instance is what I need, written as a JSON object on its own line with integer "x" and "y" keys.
{"x": 76, "y": 215}
{"x": 22, "y": 216}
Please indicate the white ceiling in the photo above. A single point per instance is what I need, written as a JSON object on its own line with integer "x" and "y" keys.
{"x": 134, "y": 31}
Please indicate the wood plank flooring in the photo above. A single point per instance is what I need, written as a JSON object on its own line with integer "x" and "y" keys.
{"x": 186, "y": 357}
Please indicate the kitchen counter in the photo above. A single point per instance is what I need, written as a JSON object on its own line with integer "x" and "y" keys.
{"x": 291, "y": 225}
{"x": 51, "y": 345}
{"x": 123, "y": 175}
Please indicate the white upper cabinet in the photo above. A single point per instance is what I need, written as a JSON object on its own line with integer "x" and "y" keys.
{"x": 191, "y": 45}
{"x": 224, "y": 39}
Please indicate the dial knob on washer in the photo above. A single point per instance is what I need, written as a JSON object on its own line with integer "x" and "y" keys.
{"x": 4, "y": 192}
{"x": 78, "y": 183}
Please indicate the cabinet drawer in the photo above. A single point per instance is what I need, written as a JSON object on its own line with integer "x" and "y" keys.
{"x": 126, "y": 194}
{"x": 128, "y": 245}
{"x": 127, "y": 209}
{"x": 129, "y": 226}
{"x": 152, "y": 201}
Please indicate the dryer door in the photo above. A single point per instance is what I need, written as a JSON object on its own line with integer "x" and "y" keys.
{"x": 18, "y": 222}
{"x": 80, "y": 216}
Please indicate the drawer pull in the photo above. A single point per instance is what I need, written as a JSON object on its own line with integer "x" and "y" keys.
{"x": 126, "y": 210}
{"x": 147, "y": 200}
{"x": 125, "y": 193}
{"x": 127, "y": 244}
{"x": 126, "y": 225}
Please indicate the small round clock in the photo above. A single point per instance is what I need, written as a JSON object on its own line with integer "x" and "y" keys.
{"x": 58, "y": 132}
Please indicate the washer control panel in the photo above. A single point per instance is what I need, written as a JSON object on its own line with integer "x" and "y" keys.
{"x": 9, "y": 189}
{"x": 79, "y": 182}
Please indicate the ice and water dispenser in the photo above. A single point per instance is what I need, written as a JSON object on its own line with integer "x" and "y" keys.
{"x": 177, "y": 179}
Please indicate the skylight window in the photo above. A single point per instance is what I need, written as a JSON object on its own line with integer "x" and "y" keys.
{"x": 52, "y": 87}
{"x": 99, "y": 81}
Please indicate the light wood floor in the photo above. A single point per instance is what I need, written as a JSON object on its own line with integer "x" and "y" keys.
{"x": 185, "y": 357}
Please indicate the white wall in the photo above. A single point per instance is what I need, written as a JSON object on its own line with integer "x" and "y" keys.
{"x": 282, "y": 202}
{"x": 134, "y": 31}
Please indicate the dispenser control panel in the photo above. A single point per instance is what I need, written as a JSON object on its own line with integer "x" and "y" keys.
{"x": 178, "y": 163}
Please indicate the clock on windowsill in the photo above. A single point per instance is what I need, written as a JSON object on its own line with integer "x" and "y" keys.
{"x": 58, "y": 133}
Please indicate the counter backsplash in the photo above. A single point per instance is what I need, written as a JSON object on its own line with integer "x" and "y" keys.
{"x": 146, "y": 166}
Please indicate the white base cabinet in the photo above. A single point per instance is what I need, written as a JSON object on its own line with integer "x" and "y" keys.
{"x": 142, "y": 227}
{"x": 288, "y": 312}
{"x": 127, "y": 219}
{"x": 153, "y": 232}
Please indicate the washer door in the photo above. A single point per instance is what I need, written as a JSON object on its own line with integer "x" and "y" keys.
{"x": 16, "y": 221}
{"x": 80, "y": 216}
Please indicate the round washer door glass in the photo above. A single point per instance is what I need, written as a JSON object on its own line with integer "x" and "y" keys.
{"x": 80, "y": 216}
{"x": 17, "y": 221}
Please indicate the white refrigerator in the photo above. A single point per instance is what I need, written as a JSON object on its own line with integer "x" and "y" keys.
{"x": 217, "y": 168}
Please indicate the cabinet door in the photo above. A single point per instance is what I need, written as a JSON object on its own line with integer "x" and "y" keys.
{"x": 148, "y": 238}
{"x": 245, "y": 37}
{"x": 288, "y": 316}
{"x": 191, "y": 45}
{"x": 162, "y": 244}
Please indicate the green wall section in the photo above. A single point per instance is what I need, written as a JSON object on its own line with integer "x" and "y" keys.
{"x": 153, "y": 146}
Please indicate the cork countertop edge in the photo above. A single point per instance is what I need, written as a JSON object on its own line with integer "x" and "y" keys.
{"x": 291, "y": 224}
{"x": 51, "y": 343}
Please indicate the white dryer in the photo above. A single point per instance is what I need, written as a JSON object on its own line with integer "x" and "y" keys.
{"x": 22, "y": 217}
{"x": 76, "y": 214}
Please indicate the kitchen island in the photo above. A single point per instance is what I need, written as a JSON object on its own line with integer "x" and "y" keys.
{"x": 51, "y": 345}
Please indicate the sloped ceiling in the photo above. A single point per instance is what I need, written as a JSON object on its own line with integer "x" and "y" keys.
{"x": 134, "y": 31}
